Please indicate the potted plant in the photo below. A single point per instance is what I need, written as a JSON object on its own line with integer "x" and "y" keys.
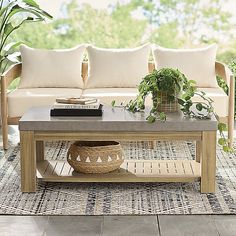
{"x": 172, "y": 91}
{"x": 27, "y": 11}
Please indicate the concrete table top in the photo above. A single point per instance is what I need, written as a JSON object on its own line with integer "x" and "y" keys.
{"x": 113, "y": 119}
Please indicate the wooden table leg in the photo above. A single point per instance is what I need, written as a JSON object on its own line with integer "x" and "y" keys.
{"x": 39, "y": 150}
{"x": 208, "y": 162}
{"x": 153, "y": 144}
{"x": 28, "y": 161}
{"x": 198, "y": 151}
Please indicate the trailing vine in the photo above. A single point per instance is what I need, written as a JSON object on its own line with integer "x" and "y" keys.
{"x": 177, "y": 87}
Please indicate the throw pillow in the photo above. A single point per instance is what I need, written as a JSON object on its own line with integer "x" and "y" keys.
{"x": 118, "y": 68}
{"x": 196, "y": 64}
{"x": 51, "y": 68}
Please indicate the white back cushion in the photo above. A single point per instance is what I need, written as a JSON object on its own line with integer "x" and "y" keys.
{"x": 51, "y": 68}
{"x": 117, "y": 67}
{"x": 196, "y": 64}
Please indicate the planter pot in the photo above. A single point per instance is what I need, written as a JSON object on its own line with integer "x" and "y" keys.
{"x": 165, "y": 104}
{"x": 95, "y": 156}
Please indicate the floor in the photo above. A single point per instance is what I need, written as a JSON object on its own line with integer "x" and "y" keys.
{"x": 198, "y": 225}
{"x": 160, "y": 225}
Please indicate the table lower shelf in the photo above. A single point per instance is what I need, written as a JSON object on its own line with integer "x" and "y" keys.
{"x": 130, "y": 171}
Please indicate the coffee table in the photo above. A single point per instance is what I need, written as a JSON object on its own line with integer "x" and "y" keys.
{"x": 36, "y": 127}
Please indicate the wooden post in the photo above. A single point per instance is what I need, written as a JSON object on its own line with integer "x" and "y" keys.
{"x": 4, "y": 114}
{"x": 153, "y": 144}
{"x": 208, "y": 162}
{"x": 39, "y": 150}
{"x": 231, "y": 111}
{"x": 198, "y": 151}
{"x": 28, "y": 161}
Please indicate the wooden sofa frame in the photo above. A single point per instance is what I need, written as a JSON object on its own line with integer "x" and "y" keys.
{"x": 15, "y": 71}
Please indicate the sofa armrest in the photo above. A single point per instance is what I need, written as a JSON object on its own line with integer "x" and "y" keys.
{"x": 6, "y": 78}
{"x": 11, "y": 74}
{"x": 224, "y": 72}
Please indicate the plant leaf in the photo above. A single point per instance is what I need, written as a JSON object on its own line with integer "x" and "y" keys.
{"x": 222, "y": 127}
{"x": 181, "y": 101}
{"x": 14, "y": 57}
{"x": 113, "y": 102}
{"x": 226, "y": 149}
{"x": 187, "y": 98}
{"x": 192, "y": 82}
{"x": 151, "y": 119}
{"x": 162, "y": 116}
{"x": 8, "y": 28}
{"x": 12, "y": 45}
{"x": 199, "y": 106}
{"x": 32, "y": 10}
{"x": 221, "y": 141}
{"x": 7, "y": 8}
{"x": 31, "y": 3}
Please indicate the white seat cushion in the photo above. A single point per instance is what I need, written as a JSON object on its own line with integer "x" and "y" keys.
{"x": 120, "y": 95}
{"x": 20, "y": 100}
{"x": 117, "y": 68}
{"x": 197, "y": 64}
{"x": 124, "y": 95}
{"x": 51, "y": 68}
{"x": 221, "y": 100}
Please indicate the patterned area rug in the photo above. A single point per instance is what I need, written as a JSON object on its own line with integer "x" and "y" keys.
{"x": 123, "y": 198}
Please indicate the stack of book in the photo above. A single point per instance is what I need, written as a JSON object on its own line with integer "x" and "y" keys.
{"x": 76, "y": 107}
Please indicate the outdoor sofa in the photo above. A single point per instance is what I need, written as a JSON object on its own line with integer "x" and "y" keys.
{"x": 109, "y": 74}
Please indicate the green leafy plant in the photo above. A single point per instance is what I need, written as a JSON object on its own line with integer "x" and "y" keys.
{"x": 165, "y": 80}
{"x": 14, "y": 14}
{"x": 177, "y": 87}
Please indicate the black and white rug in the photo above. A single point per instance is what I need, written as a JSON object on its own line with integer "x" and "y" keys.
{"x": 122, "y": 198}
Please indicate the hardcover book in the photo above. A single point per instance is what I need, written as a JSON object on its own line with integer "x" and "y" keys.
{"x": 77, "y": 112}
{"x": 58, "y": 105}
{"x": 75, "y": 100}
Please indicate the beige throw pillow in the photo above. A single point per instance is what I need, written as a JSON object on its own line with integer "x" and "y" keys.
{"x": 120, "y": 68}
{"x": 196, "y": 64}
{"x": 51, "y": 68}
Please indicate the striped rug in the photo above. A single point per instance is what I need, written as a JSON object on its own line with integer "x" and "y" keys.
{"x": 119, "y": 199}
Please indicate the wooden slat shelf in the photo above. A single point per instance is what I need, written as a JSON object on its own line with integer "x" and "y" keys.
{"x": 130, "y": 171}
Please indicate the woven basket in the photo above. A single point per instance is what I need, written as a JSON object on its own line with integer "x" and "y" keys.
{"x": 95, "y": 156}
{"x": 165, "y": 105}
